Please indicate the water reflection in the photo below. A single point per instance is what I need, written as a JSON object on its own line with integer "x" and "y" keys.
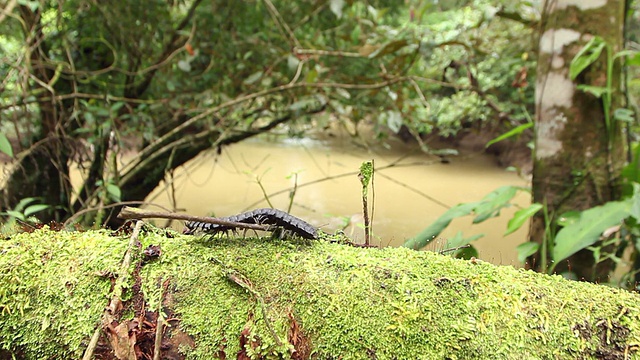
{"x": 411, "y": 189}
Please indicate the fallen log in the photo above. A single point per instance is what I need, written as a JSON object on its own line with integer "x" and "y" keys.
{"x": 202, "y": 298}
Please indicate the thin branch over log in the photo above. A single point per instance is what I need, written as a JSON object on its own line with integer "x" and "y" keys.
{"x": 136, "y": 213}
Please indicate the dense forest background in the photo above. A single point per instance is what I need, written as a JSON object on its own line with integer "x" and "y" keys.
{"x": 84, "y": 82}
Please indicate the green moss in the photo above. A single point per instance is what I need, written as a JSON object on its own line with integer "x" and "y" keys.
{"x": 349, "y": 302}
{"x": 54, "y": 286}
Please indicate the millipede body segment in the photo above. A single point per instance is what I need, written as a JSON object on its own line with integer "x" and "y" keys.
{"x": 277, "y": 219}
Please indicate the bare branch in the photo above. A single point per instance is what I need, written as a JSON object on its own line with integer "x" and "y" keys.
{"x": 136, "y": 213}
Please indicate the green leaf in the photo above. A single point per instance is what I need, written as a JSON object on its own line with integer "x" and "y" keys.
{"x": 253, "y": 77}
{"x": 458, "y": 240}
{"x": 24, "y": 202}
{"x": 428, "y": 234}
{"x": 631, "y": 54}
{"x": 622, "y": 114}
{"x": 527, "y": 249}
{"x": 568, "y": 218}
{"x": 521, "y": 216}
{"x": 5, "y": 145}
{"x": 16, "y": 214}
{"x": 586, "y": 56}
{"x": 388, "y": 48}
{"x": 467, "y": 253}
{"x": 515, "y": 131}
{"x": 32, "y": 209}
{"x": 631, "y": 172}
{"x": 114, "y": 192}
{"x": 393, "y": 119}
{"x": 634, "y": 60}
{"x": 587, "y": 230}
{"x": 635, "y": 202}
{"x": 491, "y": 204}
{"x": 596, "y": 91}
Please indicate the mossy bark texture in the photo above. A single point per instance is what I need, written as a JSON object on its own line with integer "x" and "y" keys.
{"x": 265, "y": 298}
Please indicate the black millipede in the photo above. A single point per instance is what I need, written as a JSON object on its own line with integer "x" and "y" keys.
{"x": 277, "y": 219}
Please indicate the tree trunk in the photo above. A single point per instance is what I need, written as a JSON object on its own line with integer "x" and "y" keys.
{"x": 577, "y": 158}
{"x": 43, "y": 170}
{"x": 298, "y": 299}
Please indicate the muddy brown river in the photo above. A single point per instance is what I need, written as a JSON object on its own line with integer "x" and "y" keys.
{"x": 409, "y": 195}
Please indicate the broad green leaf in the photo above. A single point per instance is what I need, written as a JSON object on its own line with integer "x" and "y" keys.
{"x": 515, "y": 131}
{"x": 568, "y": 218}
{"x": 428, "y": 234}
{"x": 16, "y": 214}
{"x": 114, "y": 192}
{"x": 467, "y": 253}
{"x": 24, "y": 202}
{"x": 5, "y": 145}
{"x": 32, "y": 209}
{"x": 634, "y": 60}
{"x": 521, "y": 216}
{"x": 587, "y": 230}
{"x": 527, "y": 249}
{"x": 586, "y": 56}
{"x": 491, "y": 204}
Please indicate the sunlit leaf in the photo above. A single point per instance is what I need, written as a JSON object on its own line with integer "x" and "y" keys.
{"x": 587, "y": 230}
{"x": 184, "y": 65}
{"x": 5, "y": 145}
{"x": 344, "y": 93}
{"x": 393, "y": 119}
{"x": 521, "y": 216}
{"x": 336, "y": 7}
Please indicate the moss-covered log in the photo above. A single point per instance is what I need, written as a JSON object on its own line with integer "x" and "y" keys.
{"x": 264, "y": 298}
